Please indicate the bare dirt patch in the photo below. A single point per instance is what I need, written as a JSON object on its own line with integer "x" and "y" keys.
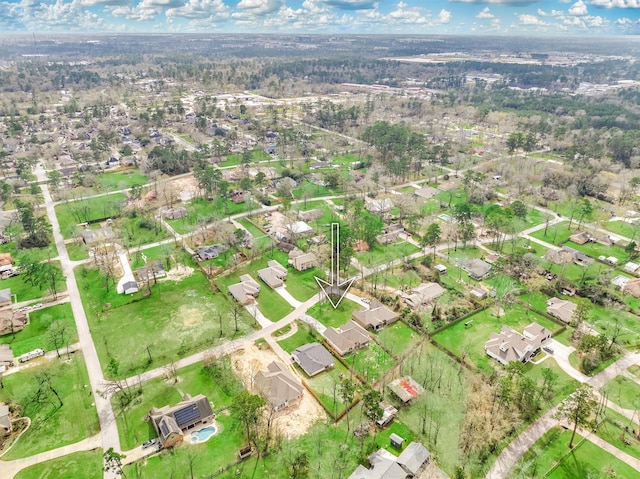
{"x": 189, "y": 315}
{"x": 178, "y": 272}
{"x": 293, "y": 422}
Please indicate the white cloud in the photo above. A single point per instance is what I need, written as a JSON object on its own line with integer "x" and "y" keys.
{"x": 444, "y": 16}
{"x": 352, "y": 4}
{"x": 526, "y": 19}
{"x": 485, "y": 13}
{"x": 406, "y": 14}
{"x": 195, "y": 9}
{"x": 259, "y": 7}
{"x": 579, "y": 8}
{"x": 616, "y": 3}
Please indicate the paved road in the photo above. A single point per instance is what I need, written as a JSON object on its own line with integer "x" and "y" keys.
{"x": 108, "y": 428}
{"x": 512, "y": 453}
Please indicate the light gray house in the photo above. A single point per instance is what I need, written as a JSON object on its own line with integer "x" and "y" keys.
{"x": 313, "y": 358}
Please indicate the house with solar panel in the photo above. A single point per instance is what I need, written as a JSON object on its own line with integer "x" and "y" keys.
{"x": 172, "y": 422}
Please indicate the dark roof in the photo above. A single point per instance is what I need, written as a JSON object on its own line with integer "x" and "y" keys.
{"x": 313, "y": 358}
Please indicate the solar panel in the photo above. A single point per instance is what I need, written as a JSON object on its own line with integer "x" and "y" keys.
{"x": 187, "y": 414}
{"x": 164, "y": 428}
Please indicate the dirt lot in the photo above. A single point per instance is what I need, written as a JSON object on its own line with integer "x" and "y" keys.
{"x": 293, "y": 422}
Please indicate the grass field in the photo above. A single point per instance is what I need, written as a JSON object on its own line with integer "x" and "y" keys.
{"x": 397, "y": 337}
{"x": 624, "y": 392}
{"x": 385, "y": 254}
{"x": 88, "y": 210}
{"x": 35, "y": 254}
{"x": 586, "y": 460}
{"x": 469, "y": 341}
{"x": 629, "y": 230}
{"x": 178, "y": 318}
{"x": 327, "y": 315}
{"x": 615, "y": 428}
{"x": 86, "y": 464}
{"x": 202, "y": 211}
{"x": 270, "y": 303}
{"x": 370, "y": 362}
{"x": 53, "y": 426}
{"x": 327, "y": 386}
{"x": 302, "y": 336}
{"x": 35, "y": 334}
{"x": 119, "y": 180}
{"x": 195, "y": 379}
{"x": 25, "y": 291}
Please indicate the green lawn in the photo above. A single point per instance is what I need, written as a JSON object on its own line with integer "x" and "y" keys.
{"x": 587, "y": 460}
{"x": 178, "y": 319}
{"x": 205, "y": 458}
{"x": 469, "y": 341}
{"x": 370, "y": 362}
{"x": 302, "y": 284}
{"x": 270, "y": 303}
{"x": 624, "y": 392}
{"x": 35, "y": 254}
{"x": 88, "y": 210}
{"x": 35, "y": 334}
{"x": 86, "y": 464}
{"x": 623, "y": 228}
{"x": 202, "y": 211}
{"x": 25, "y": 291}
{"x": 53, "y": 426}
{"x": 301, "y": 337}
{"x": 564, "y": 386}
{"x": 195, "y": 379}
{"x": 119, "y": 180}
{"x": 327, "y": 386}
{"x": 605, "y": 323}
{"x": 634, "y": 369}
{"x": 397, "y": 337}
{"x": 385, "y": 254}
{"x": 615, "y": 428}
{"x": 327, "y": 315}
{"x": 77, "y": 251}
{"x": 139, "y": 231}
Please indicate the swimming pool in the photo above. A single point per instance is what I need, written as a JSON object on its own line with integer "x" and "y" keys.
{"x": 445, "y": 217}
{"x": 203, "y": 434}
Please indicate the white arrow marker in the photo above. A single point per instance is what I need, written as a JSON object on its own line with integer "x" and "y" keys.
{"x": 335, "y": 287}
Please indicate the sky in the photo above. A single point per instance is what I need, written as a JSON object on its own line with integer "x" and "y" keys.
{"x": 482, "y": 17}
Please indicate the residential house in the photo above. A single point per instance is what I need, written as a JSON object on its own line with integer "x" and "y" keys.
{"x": 205, "y": 253}
{"x": 631, "y": 267}
{"x": 405, "y": 389}
{"x": 313, "y": 358}
{"x": 577, "y": 257}
{"x": 151, "y": 271}
{"x": 620, "y": 281}
{"x": 509, "y": 345}
{"x": 279, "y": 386}
{"x": 426, "y": 192}
{"x": 274, "y": 274}
{"x": 384, "y": 465}
{"x": 633, "y": 287}
{"x": 130, "y": 287}
{"x": 347, "y": 338}
{"x": 6, "y": 355}
{"x": 101, "y": 235}
{"x": 477, "y": 269}
{"x": 302, "y": 261}
{"x": 299, "y": 229}
{"x": 379, "y": 206}
{"x": 390, "y": 234}
{"x": 12, "y": 321}
{"x": 237, "y": 196}
{"x": 422, "y": 294}
{"x": 5, "y": 419}
{"x": 246, "y": 291}
{"x": 376, "y": 317}
{"x": 5, "y": 297}
{"x": 171, "y": 423}
{"x": 561, "y": 309}
{"x": 310, "y": 215}
{"x": 175, "y": 213}
{"x": 287, "y": 248}
{"x": 581, "y": 237}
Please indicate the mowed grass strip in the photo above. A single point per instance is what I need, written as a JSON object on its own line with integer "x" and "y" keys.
{"x": 624, "y": 392}
{"x": 52, "y": 426}
{"x": 333, "y": 317}
{"x": 71, "y": 213}
{"x": 85, "y": 465}
{"x": 36, "y": 333}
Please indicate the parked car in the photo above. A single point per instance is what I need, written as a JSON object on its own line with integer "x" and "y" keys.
{"x": 148, "y": 443}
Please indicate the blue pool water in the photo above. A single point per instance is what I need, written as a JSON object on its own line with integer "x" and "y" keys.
{"x": 445, "y": 217}
{"x": 203, "y": 434}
